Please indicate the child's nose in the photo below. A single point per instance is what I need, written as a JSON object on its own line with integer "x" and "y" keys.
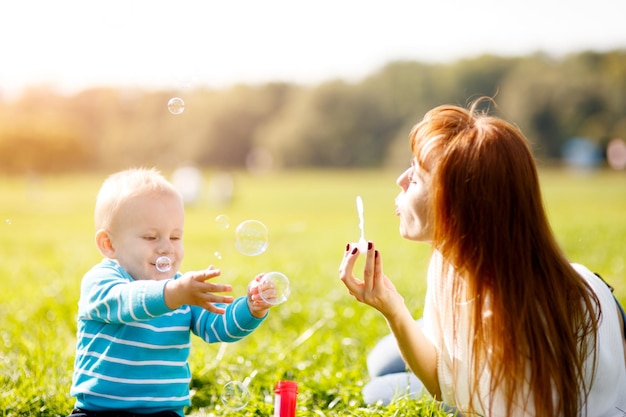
{"x": 165, "y": 246}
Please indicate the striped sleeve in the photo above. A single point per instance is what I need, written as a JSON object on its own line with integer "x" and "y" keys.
{"x": 110, "y": 295}
{"x": 235, "y": 324}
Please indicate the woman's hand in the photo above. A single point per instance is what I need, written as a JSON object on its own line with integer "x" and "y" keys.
{"x": 375, "y": 289}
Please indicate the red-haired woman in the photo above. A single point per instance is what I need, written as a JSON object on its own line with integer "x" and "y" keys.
{"x": 510, "y": 326}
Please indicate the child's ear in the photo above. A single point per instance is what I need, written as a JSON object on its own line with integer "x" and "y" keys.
{"x": 104, "y": 244}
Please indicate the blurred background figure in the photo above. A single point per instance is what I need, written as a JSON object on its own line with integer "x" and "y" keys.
{"x": 188, "y": 181}
{"x": 581, "y": 154}
{"x": 221, "y": 189}
{"x": 616, "y": 154}
{"x": 259, "y": 161}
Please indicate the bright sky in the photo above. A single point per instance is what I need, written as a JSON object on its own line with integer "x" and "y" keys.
{"x": 74, "y": 44}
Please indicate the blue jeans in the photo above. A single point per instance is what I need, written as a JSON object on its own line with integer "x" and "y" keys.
{"x": 390, "y": 377}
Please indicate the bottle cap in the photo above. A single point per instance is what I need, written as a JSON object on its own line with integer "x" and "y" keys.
{"x": 286, "y": 386}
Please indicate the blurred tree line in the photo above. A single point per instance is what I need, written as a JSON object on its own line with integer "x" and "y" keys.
{"x": 333, "y": 124}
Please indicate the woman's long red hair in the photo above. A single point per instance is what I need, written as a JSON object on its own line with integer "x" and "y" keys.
{"x": 533, "y": 316}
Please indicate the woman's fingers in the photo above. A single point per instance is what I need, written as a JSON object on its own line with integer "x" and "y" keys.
{"x": 375, "y": 289}
{"x": 370, "y": 268}
{"x": 372, "y": 272}
{"x": 346, "y": 271}
{"x": 378, "y": 268}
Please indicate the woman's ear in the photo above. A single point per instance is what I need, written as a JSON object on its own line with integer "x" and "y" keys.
{"x": 104, "y": 244}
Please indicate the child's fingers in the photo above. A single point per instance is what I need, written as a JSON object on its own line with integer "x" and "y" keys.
{"x": 209, "y": 298}
{"x": 204, "y": 275}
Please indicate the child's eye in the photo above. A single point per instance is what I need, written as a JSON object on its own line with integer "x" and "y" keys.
{"x": 149, "y": 237}
{"x": 175, "y": 238}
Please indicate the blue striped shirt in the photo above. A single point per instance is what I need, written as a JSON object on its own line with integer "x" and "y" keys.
{"x": 132, "y": 350}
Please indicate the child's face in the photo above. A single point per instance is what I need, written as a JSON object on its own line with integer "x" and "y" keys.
{"x": 147, "y": 227}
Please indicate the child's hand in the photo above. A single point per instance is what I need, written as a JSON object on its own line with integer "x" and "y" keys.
{"x": 258, "y": 307}
{"x": 193, "y": 289}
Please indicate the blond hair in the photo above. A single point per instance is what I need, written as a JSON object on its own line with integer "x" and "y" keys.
{"x": 124, "y": 185}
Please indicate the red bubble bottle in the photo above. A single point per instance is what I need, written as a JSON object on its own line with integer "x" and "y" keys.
{"x": 285, "y": 395}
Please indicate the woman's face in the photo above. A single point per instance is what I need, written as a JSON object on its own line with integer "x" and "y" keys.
{"x": 413, "y": 204}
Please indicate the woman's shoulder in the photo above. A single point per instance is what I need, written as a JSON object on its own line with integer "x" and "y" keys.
{"x": 598, "y": 284}
{"x": 609, "y": 378}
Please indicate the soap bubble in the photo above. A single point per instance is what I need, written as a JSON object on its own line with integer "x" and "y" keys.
{"x": 217, "y": 255}
{"x": 9, "y": 222}
{"x": 176, "y": 105}
{"x": 251, "y": 238}
{"x": 163, "y": 264}
{"x": 235, "y": 395}
{"x": 274, "y": 288}
{"x": 223, "y": 222}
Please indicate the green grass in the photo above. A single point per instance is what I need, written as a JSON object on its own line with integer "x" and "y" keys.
{"x": 319, "y": 338}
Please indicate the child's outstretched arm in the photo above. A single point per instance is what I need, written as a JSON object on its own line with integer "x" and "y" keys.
{"x": 193, "y": 289}
{"x": 258, "y": 307}
{"x": 241, "y": 317}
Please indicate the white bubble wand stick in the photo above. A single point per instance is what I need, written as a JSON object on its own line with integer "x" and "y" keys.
{"x": 362, "y": 244}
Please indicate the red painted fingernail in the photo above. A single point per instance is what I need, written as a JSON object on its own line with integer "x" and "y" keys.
{"x": 369, "y": 245}
{"x": 354, "y": 250}
{"x": 376, "y": 254}
{"x": 347, "y": 247}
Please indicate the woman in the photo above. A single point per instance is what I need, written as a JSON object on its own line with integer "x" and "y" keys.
{"x": 510, "y": 327}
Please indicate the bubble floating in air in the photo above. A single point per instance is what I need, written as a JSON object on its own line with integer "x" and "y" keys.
{"x": 251, "y": 238}
{"x": 222, "y": 221}
{"x": 176, "y": 105}
{"x": 274, "y": 288}
{"x": 235, "y": 395}
{"x": 163, "y": 264}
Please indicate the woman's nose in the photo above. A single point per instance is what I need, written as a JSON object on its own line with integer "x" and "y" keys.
{"x": 403, "y": 180}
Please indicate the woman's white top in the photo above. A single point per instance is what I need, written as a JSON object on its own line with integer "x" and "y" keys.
{"x": 608, "y": 392}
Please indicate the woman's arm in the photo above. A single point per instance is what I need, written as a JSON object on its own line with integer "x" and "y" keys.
{"x": 417, "y": 351}
{"x": 376, "y": 290}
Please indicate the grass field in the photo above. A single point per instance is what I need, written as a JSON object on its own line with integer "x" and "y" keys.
{"x": 319, "y": 338}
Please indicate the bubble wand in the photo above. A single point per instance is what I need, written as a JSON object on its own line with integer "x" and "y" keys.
{"x": 362, "y": 244}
